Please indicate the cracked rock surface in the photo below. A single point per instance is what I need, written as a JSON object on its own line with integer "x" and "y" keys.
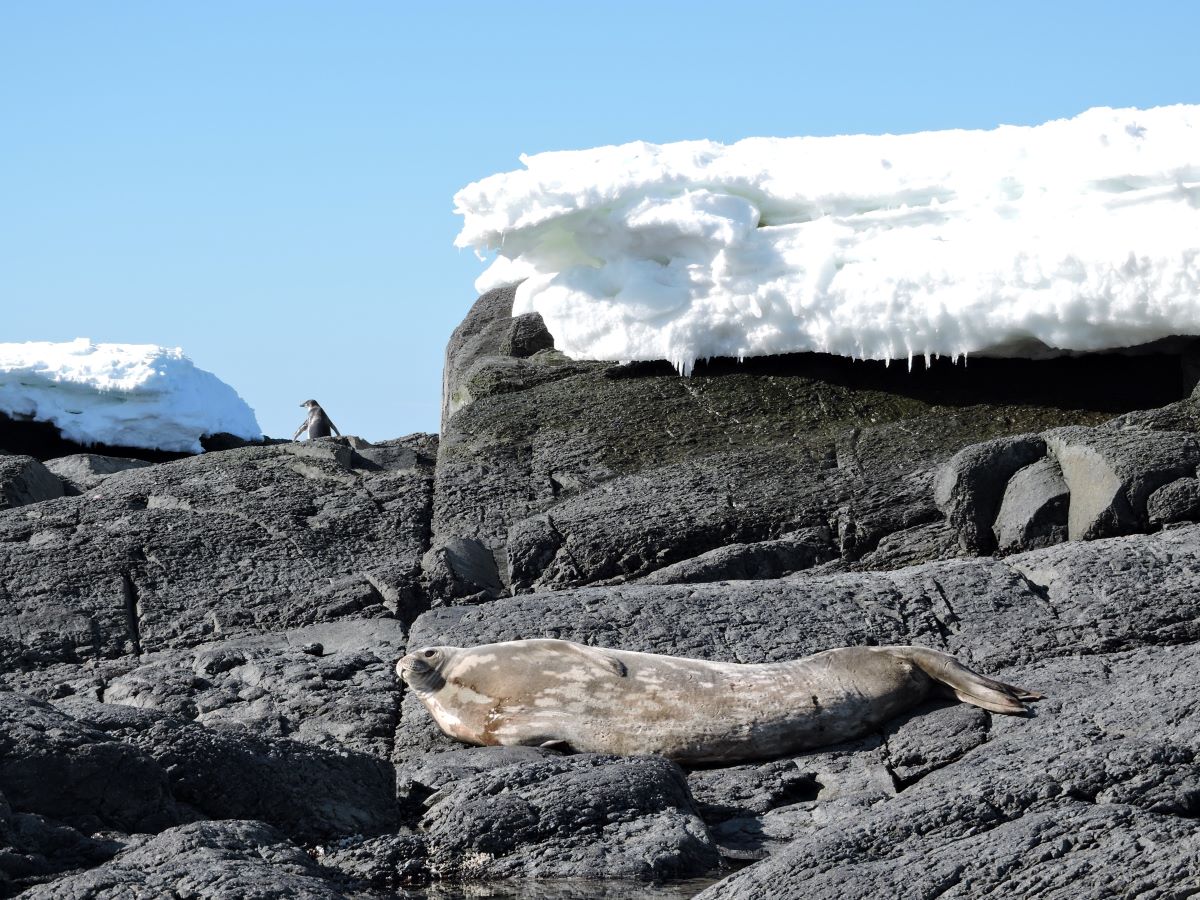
{"x": 197, "y": 695}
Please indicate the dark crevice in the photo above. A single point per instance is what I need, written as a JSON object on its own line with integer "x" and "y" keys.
{"x": 129, "y": 593}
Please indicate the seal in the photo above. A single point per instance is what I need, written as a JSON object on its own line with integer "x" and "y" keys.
{"x": 317, "y": 424}
{"x": 553, "y": 693}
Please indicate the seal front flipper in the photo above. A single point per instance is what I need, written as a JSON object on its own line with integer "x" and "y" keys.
{"x": 557, "y": 744}
{"x": 599, "y": 657}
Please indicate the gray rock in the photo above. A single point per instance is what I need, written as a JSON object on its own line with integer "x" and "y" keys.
{"x": 25, "y": 480}
{"x": 1177, "y": 501}
{"x": 243, "y": 541}
{"x": 342, "y": 695}
{"x": 1092, "y": 597}
{"x": 1095, "y": 795}
{"x": 56, "y": 767}
{"x": 527, "y": 334}
{"x": 310, "y": 793}
{"x": 1033, "y": 512}
{"x": 33, "y": 847}
{"x": 576, "y": 817}
{"x": 84, "y": 471}
{"x": 766, "y": 559}
{"x": 389, "y": 862}
{"x": 970, "y": 486}
{"x": 205, "y": 861}
{"x": 1111, "y": 474}
{"x": 601, "y": 474}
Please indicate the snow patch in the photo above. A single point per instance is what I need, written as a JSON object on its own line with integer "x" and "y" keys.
{"x": 130, "y": 395}
{"x": 1080, "y": 234}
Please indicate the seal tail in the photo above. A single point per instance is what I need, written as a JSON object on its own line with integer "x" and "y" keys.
{"x": 969, "y": 686}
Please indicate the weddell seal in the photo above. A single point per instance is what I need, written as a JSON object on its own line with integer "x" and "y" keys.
{"x": 317, "y": 424}
{"x": 590, "y": 699}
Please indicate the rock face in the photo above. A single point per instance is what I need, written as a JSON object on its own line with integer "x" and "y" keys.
{"x": 197, "y": 694}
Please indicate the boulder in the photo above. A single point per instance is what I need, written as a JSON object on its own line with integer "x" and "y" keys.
{"x": 1033, "y": 512}
{"x": 1111, "y": 474}
{"x": 25, "y": 480}
{"x": 555, "y": 474}
{"x": 1176, "y": 501}
{"x": 970, "y": 486}
{"x": 582, "y": 816}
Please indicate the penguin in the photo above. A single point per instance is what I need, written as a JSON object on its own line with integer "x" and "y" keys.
{"x": 317, "y": 424}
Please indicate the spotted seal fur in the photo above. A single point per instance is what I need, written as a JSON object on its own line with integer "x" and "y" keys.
{"x": 589, "y": 699}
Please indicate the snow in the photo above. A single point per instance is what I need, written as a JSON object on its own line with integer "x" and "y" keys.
{"x": 130, "y": 395}
{"x": 1081, "y": 234}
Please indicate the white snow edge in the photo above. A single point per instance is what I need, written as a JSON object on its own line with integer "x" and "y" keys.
{"x": 129, "y": 395}
{"x": 1081, "y": 234}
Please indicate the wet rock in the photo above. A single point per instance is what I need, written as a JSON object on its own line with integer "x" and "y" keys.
{"x": 1033, "y": 512}
{"x": 969, "y": 488}
{"x": 389, "y": 862}
{"x": 206, "y": 861}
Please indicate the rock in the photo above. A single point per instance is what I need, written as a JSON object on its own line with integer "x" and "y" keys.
{"x": 59, "y": 768}
{"x": 310, "y": 793}
{"x": 1033, "y": 512}
{"x": 25, "y": 480}
{"x": 601, "y": 474}
{"x": 33, "y": 848}
{"x": 1111, "y": 474}
{"x": 969, "y": 488}
{"x": 1092, "y": 796}
{"x": 84, "y": 471}
{"x": 526, "y": 335}
{"x": 389, "y": 862}
{"x": 206, "y": 861}
{"x": 1177, "y": 501}
{"x": 343, "y": 695}
{"x": 765, "y": 559}
{"x": 581, "y": 816}
{"x": 240, "y": 542}
{"x": 1094, "y": 597}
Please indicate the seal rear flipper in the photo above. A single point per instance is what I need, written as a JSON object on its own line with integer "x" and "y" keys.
{"x": 969, "y": 686}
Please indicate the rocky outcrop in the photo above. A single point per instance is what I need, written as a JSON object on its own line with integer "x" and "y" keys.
{"x": 196, "y": 656}
{"x": 554, "y": 475}
{"x": 247, "y": 541}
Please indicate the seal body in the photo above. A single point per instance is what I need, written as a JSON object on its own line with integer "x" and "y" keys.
{"x": 551, "y": 692}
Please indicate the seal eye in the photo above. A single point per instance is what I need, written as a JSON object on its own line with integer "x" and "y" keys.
{"x": 428, "y": 653}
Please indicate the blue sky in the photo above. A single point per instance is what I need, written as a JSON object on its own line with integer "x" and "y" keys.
{"x": 268, "y": 184}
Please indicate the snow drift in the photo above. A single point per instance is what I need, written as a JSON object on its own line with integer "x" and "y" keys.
{"x": 127, "y": 395}
{"x": 1080, "y": 234}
